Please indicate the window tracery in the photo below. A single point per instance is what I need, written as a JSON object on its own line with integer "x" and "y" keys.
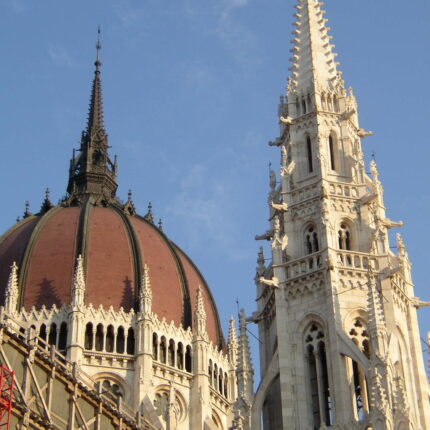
{"x": 318, "y": 376}
{"x": 344, "y": 237}
{"x": 311, "y": 240}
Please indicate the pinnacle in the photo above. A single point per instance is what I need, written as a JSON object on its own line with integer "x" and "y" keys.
{"x": 312, "y": 59}
{"x": 232, "y": 338}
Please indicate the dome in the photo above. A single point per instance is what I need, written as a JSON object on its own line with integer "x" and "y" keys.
{"x": 115, "y": 244}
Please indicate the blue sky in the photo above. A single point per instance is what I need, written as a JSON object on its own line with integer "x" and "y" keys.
{"x": 190, "y": 93}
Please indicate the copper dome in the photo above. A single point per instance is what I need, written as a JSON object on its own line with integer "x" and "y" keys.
{"x": 114, "y": 241}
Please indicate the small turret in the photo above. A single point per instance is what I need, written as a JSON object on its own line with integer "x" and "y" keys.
{"x": 12, "y": 290}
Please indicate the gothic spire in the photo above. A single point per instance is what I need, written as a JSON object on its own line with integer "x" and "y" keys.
{"x": 78, "y": 283}
{"x": 313, "y": 60}
{"x": 95, "y": 124}
{"x": 92, "y": 173}
{"x": 145, "y": 293}
{"x": 245, "y": 371}
{"x": 232, "y": 341}
{"x": 200, "y": 314}
{"x": 12, "y": 290}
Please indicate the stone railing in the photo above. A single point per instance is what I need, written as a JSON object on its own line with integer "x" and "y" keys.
{"x": 355, "y": 260}
{"x": 343, "y": 190}
{"x": 304, "y": 265}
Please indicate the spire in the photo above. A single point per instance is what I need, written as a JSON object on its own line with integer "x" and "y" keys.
{"x": 46, "y": 204}
{"x": 245, "y": 371}
{"x": 313, "y": 60}
{"x": 232, "y": 342}
{"x": 91, "y": 171}
{"x": 376, "y": 319}
{"x": 27, "y": 212}
{"x": 145, "y": 293}
{"x": 12, "y": 290}
{"x": 95, "y": 124}
{"x": 78, "y": 284}
{"x": 244, "y": 376}
{"x": 200, "y": 314}
{"x": 149, "y": 215}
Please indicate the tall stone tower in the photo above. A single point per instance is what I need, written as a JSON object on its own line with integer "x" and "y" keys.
{"x": 340, "y": 345}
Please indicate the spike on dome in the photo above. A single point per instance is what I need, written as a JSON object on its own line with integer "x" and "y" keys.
{"x": 92, "y": 173}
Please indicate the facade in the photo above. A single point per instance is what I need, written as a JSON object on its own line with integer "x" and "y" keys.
{"x": 108, "y": 324}
{"x": 336, "y": 312}
{"x": 105, "y": 289}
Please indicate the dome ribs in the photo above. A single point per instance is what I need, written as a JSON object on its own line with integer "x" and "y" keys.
{"x": 109, "y": 260}
{"x": 13, "y": 244}
{"x": 213, "y": 325}
{"x": 136, "y": 253}
{"x": 45, "y": 269}
{"x": 164, "y": 302}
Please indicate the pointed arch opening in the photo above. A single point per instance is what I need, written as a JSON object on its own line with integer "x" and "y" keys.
{"x": 309, "y": 154}
{"x": 120, "y": 340}
{"x": 318, "y": 380}
{"x": 89, "y": 336}
{"x": 332, "y": 153}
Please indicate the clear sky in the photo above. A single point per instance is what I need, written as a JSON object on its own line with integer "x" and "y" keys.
{"x": 191, "y": 89}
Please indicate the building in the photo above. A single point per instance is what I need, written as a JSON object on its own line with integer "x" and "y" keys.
{"x": 129, "y": 313}
{"x": 336, "y": 309}
{"x": 108, "y": 324}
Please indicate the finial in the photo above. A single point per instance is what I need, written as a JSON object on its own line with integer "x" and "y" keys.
{"x": 129, "y": 195}
{"x": 18, "y": 219}
{"x": 27, "y": 212}
{"x": 98, "y": 48}
{"x": 46, "y": 205}
{"x": 149, "y": 216}
{"x": 160, "y": 224}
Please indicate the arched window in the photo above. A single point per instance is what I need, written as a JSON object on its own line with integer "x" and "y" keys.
{"x": 360, "y": 337}
{"x": 215, "y": 376}
{"x": 297, "y": 107}
{"x": 303, "y": 106}
{"x": 311, "y": 240}
{"x": 52, "y": 339}
{"x": 110, "y": 338}
{"x": 344, "y": 237}
{"x": 336, "y": 104}
{"x": 154, "y": 346}
{"x": 111, "y": 389}
{"x": 42, "y": 331}
{"x": 332, "y": 153}
{"x": 225, "y": 384}
{"x": 323, "y": 102}
{"x": 329, "y": 105}
{"x": 89, "y": 336}
{"x": 99, "y": 337}
{"x": 309, "y": 154}
{"x": 309, "y": 103}
{"x": 180, "y": 356}
{"x": 188, "y": 358}
{"x": 62, "y": 339}
{"x": 210, "y": 370}
{"x": 318, "y": 376}
{"x": 171, "y": 353}
{"x": 220, "y": 384}
{"x": 163, "y": 350}
{"x": 130, "y": 341}
{"x": 120, "y": 340}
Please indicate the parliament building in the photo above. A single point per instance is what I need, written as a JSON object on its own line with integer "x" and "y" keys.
{"x": 108, "y": 324}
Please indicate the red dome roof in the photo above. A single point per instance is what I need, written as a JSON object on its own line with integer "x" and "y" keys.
{"x": 115, "y": 245}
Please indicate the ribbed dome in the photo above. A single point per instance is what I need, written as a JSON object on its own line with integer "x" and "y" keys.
{"x": 115, "y": 246}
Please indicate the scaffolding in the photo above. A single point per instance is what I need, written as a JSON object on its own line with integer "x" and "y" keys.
{"x": 6, "y": 396}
